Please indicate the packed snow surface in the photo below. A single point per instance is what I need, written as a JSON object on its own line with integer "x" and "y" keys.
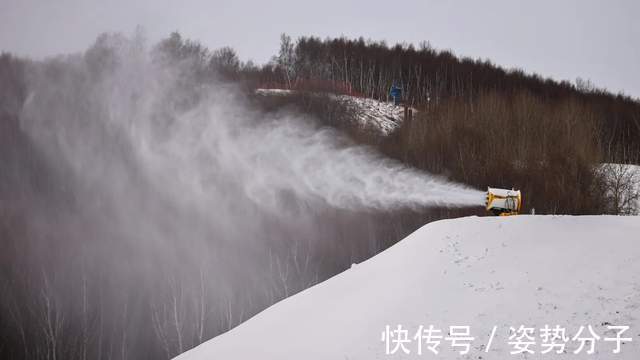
{"x": 476, "y": 272}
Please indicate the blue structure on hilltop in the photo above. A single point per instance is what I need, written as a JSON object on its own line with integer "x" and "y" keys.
{"x": 396, "y": 93}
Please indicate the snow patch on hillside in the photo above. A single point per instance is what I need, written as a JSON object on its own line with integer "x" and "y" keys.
{"x": 384, "y": 117}
{"x": 477, "y": 272}
{"x": 273, "y": 92}
{"x": 380, "y": 116}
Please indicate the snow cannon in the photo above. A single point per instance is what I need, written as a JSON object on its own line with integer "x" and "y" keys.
{"x": 503, "y": 202}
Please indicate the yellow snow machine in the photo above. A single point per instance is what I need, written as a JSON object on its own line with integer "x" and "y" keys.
{"x": 503, "y": 202}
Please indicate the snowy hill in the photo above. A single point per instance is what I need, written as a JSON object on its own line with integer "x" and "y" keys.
{"x": 477, "y": 272}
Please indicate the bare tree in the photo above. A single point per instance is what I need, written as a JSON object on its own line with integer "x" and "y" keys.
{"x": 52, "y": 318}
{"x": 286, "y": 58}
{"x": 621, "y": 184}
{"x": 225, "y": 61}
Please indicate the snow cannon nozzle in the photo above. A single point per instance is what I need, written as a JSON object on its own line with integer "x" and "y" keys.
{"x": 503, "y": 202}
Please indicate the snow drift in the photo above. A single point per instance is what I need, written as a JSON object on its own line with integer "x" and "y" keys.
{"x": 476, "y": 272}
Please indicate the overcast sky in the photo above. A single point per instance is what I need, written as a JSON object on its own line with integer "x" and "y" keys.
{"x": 563, "y": 39}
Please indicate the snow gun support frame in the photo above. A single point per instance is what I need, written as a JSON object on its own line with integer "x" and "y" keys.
{"x": 503, "y": 202}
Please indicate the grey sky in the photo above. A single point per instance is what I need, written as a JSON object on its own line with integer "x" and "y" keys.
{"x": 563, "y": 39}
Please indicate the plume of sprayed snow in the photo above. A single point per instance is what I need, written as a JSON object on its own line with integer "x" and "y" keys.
{"x": 288, "y": 154}
{"x": 285, "y": 155}
{"x": 219, "y": 141}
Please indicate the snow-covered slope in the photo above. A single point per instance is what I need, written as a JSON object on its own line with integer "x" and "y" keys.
{"x": 476, "y": 272}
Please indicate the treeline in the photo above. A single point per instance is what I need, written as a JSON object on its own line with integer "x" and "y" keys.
{"x": 429, "y": 77}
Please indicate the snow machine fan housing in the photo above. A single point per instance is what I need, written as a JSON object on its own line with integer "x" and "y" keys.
{"x": 503, "y": 202}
